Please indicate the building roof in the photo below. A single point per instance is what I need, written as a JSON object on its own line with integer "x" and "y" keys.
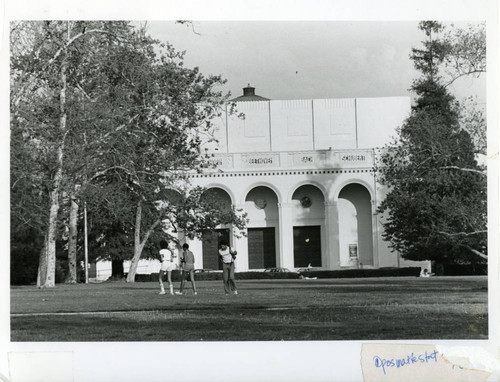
{"x": 249, "y": 95}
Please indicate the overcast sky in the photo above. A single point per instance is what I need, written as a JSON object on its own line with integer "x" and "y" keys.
{"x": 306, "y": 59}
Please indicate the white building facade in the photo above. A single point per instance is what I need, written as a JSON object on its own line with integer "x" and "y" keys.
{"x": 303, "y": 172}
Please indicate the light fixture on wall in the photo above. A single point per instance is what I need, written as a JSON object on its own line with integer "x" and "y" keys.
{"x": 306, "y": 202}
{"x": 260, "y": 203}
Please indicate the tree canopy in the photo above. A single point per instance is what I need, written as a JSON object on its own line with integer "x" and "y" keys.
{"x": 435, "y": 208}
{"x": 112, "y": 119}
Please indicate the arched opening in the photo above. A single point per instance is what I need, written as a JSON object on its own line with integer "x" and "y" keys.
{"x": 261, "y": 205}
{"x": 220, "y": 199}
{"x": 308, "y": 226}
{"x": 355, "y": 226}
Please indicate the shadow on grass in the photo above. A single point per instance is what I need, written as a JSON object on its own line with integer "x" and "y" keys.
{"x": 237, "y": 324}
{"x": 375, "y": 309}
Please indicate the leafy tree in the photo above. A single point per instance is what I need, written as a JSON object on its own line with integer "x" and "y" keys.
{"x": 170, "y": 108}
{"x": 466, "y": 57}
{"x": 111, "y": 123}
{"x": 191, "y": 211}
{"x": 46, "y": 65}
{"x": 466, "y": 52}
{"x": 435, "y": 208}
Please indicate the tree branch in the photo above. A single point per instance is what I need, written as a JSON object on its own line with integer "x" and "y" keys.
{"x": 54, "y": 57}
{"x": 476, "y": 252}
{"x": 103, "y": 172}
{"x": 83, "y": 91}
{"x": 150, "y": 230}
{"x": 463, "y": 233}
{"x": 464, "y": 169}
{"x": 471, "y": 72}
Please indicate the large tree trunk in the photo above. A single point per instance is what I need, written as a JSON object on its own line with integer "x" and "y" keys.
{"x": 42, "y": 263}
{"x": 47, "y": 265}
{"x": 47, "y": 268}
{"x": 72, "y": 241}
{"x": 138, "y": 244}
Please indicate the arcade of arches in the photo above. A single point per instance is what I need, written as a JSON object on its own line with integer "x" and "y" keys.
{"x": 309, "y": 227}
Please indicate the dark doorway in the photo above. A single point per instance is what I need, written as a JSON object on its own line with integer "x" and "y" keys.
{"x": 92, "y": 270}
{"x": 211, "y": 240}
{"x": 261, "y": 248}
{"x": 307, "y": 246}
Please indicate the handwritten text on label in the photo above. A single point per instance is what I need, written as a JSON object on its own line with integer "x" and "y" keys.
{"x": 406, "y": 361}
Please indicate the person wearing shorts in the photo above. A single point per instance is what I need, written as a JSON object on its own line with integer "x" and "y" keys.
{"x": 168, "y": 264}
{"x": 187, "y": 266}
{"x": 228, "y": 255}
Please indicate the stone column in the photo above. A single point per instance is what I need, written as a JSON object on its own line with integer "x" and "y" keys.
{"x": 286, "y": 235}
{"x": 241, "y": 245}
{"x": 196, "y": 246}
{"x": 332, "y": 235}
{"x": 375, "y": 230}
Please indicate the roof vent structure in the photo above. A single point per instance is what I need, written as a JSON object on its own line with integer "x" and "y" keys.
{"x": 249, "y": 95}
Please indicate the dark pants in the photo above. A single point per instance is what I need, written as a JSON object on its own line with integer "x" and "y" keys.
{"x": 228, "y": 277}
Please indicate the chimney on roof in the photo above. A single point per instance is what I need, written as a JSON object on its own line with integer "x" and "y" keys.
{"x": 249, "y": 91}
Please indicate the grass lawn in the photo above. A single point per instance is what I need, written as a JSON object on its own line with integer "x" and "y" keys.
{"x": 264, "y": 310}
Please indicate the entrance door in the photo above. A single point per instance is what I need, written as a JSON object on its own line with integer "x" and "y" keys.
{"x": 211, "y": 240}
{"x": 307, "y": 246}
{"x": 261, "y": 248}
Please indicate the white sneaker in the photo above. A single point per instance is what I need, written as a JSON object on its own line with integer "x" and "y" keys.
{"x": 178, "y": 293}
{"x": 162, "y": 292}
{"x": 235, "y": 292}
{"x": 195, "y": 293}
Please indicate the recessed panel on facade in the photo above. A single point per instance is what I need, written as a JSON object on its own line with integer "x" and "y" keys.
{"x": 215, "y": 139}
{"x": 260, "y": 160}
{"x": 309, "y": 159}
{"x": 352, "y": 159}
{"x": 378, "y": 119}
{"x": 334, "y": 123}
{"x": 291, "y": 123}
{"x": 251, "y": 132}
{"x": 222, "y": 161}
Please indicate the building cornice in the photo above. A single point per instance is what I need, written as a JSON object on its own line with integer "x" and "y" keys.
{"x": 228, "y": 174}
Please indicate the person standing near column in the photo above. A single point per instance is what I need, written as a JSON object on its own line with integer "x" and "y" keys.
{"x": 187, "y": 261}
{"x": 228, "y": 255}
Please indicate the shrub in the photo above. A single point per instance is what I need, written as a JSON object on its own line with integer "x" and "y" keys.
{"x": 352, "y": 273}
{"x": 346, "y": 273}
{"x": 480, "y": 269}
{"x": 266, "y": 275}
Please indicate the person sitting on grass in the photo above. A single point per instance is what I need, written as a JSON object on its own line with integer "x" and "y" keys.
{"x": 228, "y": 255}
{"x": 168, "y": 257}
{"x": 425, "y": 273}
{"x": 187, "y": 265}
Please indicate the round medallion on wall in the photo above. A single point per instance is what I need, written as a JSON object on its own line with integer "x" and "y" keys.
{"x": 306, "y": 202}
{"x": 260, "y": 203}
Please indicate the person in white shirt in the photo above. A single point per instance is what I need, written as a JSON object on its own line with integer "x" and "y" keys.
{"x": 425, "y": 273}
{"x": 168, "y": 255}
{"x": 228, "y": 255}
